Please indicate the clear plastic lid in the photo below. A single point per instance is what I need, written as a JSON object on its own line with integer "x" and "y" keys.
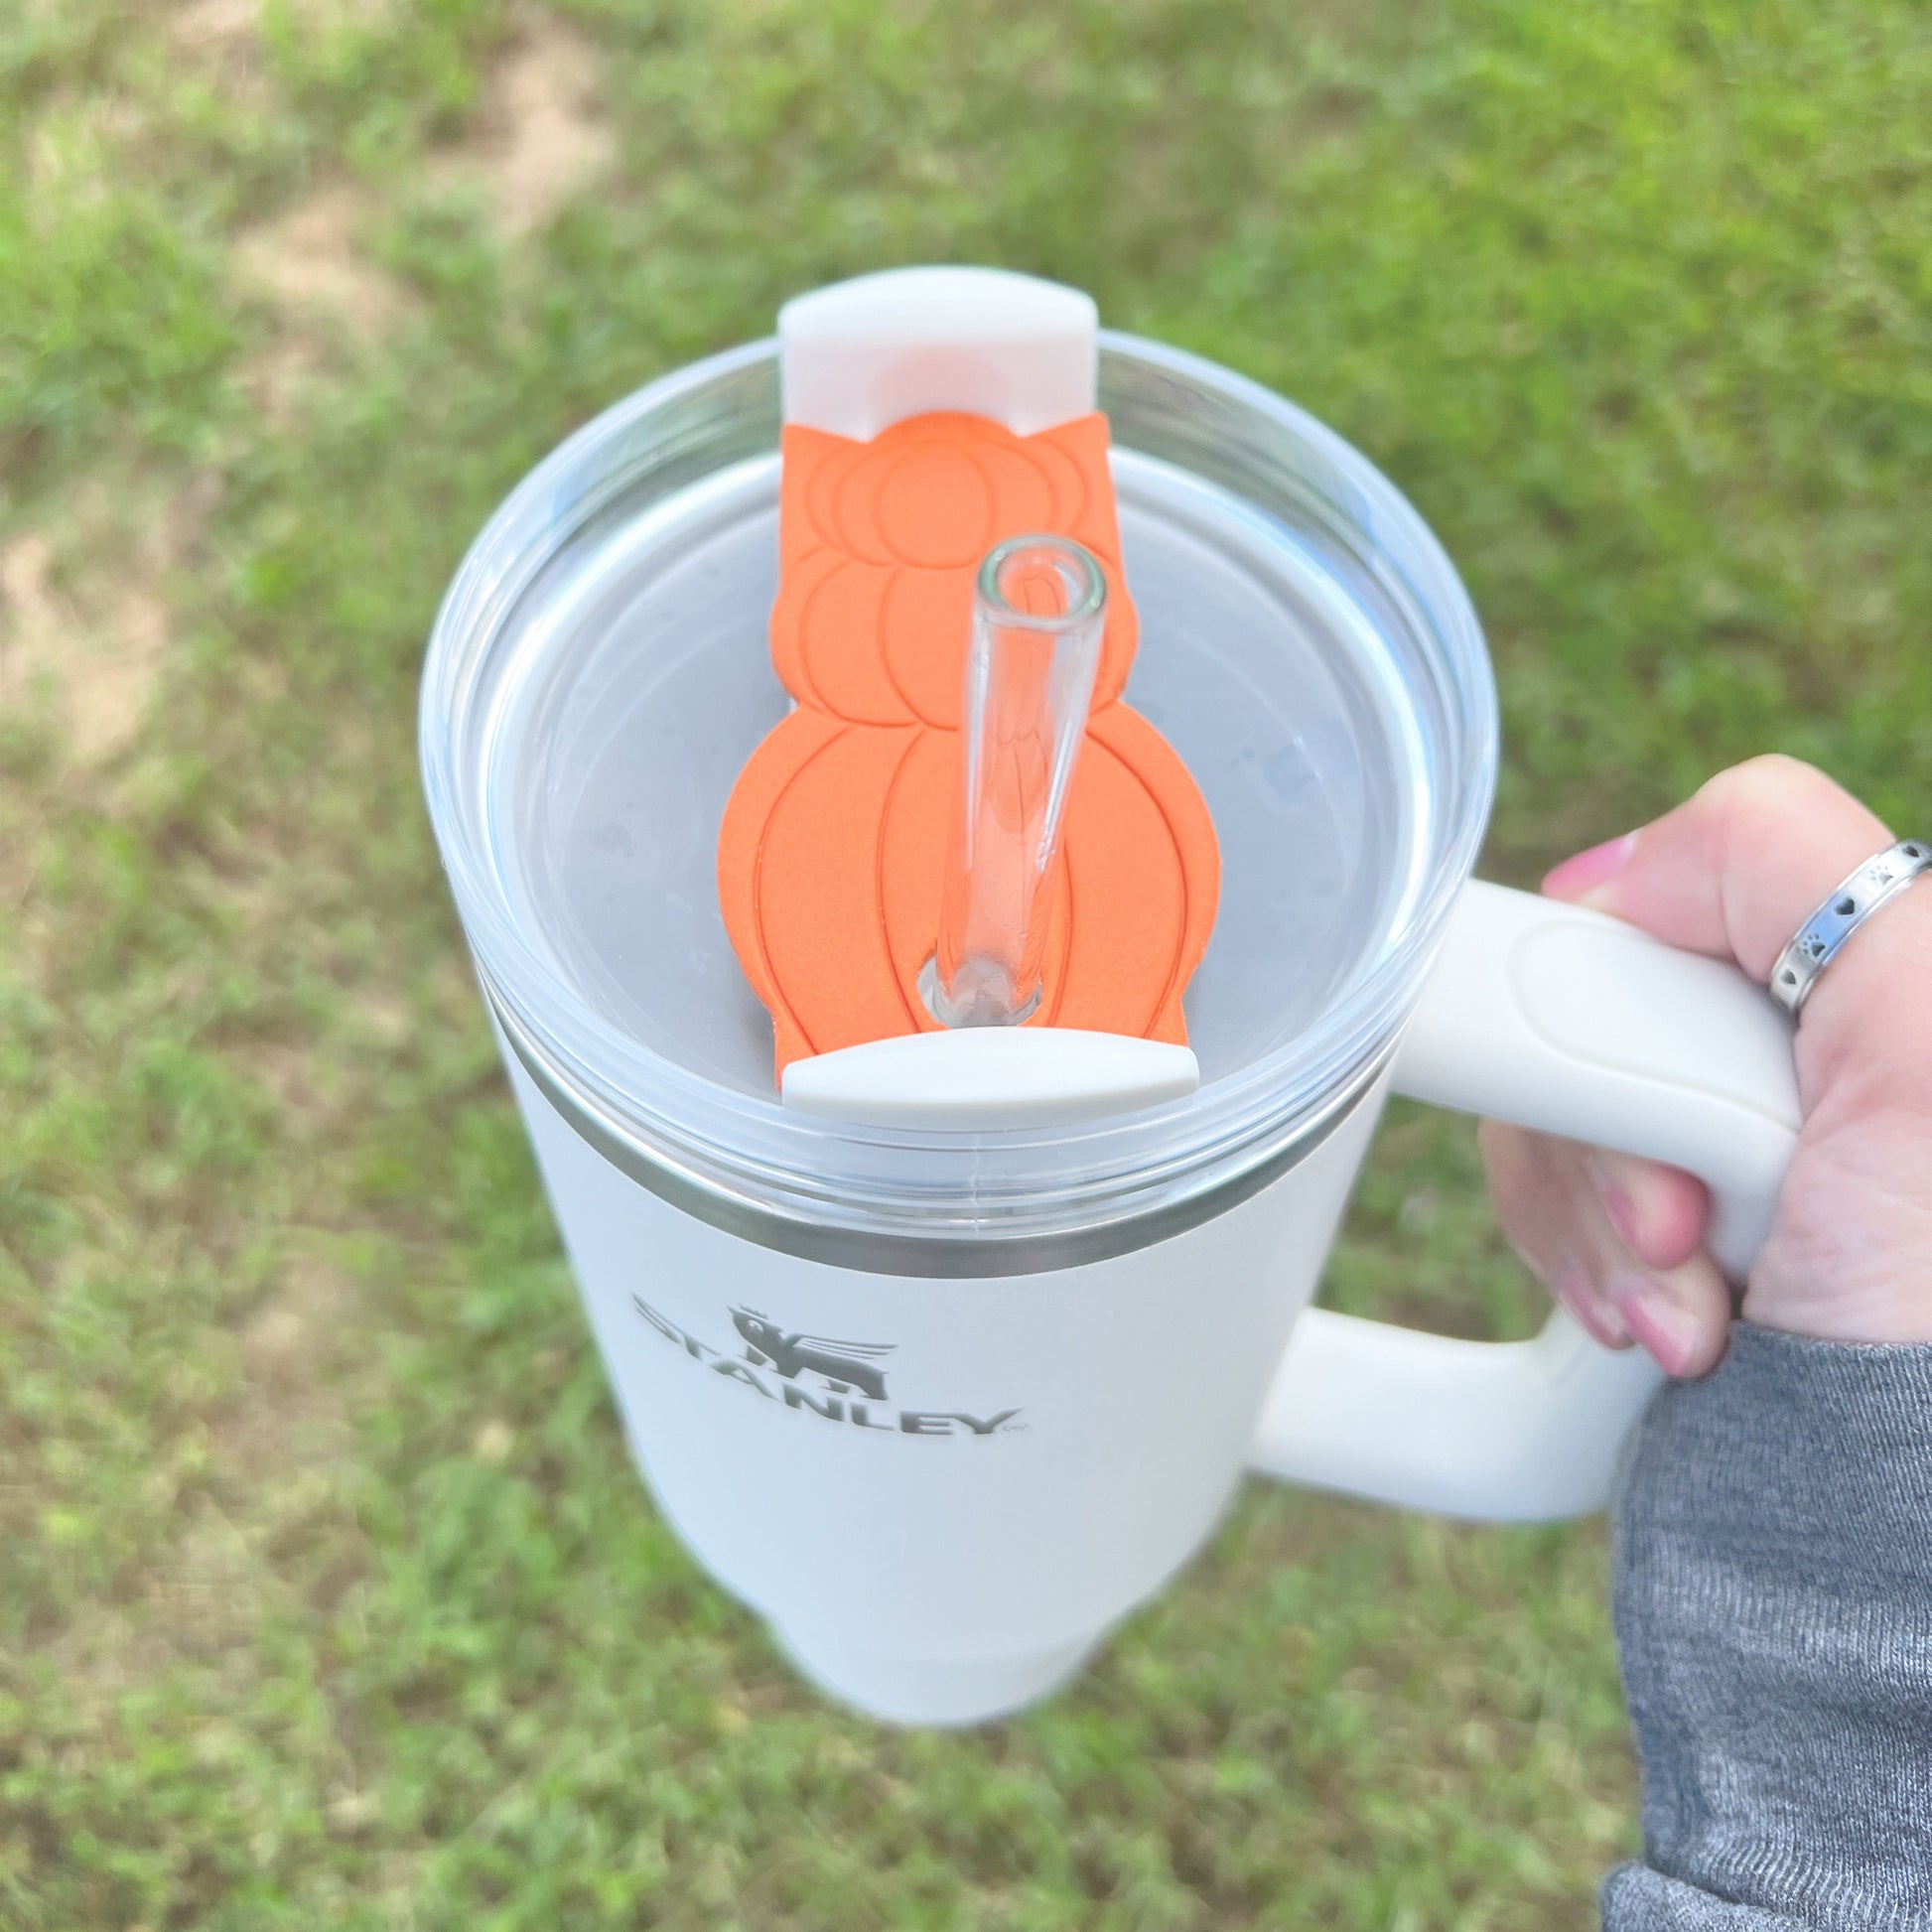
{"x": 598, "y": 675}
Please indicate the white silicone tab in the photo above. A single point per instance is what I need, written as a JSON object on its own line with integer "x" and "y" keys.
{"x": 980, "y": 1078}
{"x": 858, "y": 356}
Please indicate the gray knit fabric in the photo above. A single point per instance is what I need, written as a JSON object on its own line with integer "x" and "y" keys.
{"x": 1774, "y": 1545}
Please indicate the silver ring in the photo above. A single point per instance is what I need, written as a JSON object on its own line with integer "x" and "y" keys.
{"x": 1822, "y": 937}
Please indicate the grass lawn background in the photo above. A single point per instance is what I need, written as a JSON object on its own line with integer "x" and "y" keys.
{"x": 328, "y": 1594}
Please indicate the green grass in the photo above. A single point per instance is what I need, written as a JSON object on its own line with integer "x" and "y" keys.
{"x": 328, "y": 1595}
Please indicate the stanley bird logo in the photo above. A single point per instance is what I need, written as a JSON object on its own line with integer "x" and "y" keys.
{"x": 842, "y": 1382}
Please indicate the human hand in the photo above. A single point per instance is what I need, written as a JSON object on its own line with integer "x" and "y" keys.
{"x": 1733, "y": 871}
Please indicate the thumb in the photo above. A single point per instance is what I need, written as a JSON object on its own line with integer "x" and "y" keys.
{"x": 1735, "y": 870}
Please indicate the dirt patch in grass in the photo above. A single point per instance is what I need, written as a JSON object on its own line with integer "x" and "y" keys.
{"x": 219, "y": 29}
{"x": 223, "y": 29}
{"x": 276, "y": 1445}
{"x": 271, "y": 1456}
{"x": 77, "y": 145}
{"x": 310, "y": 263}
{"x": 543, "y": 135}
{"x": 291, "y": 1403}
{"x": 92, "y": 651}
{"x": 220, "y": 42}
{"x": 275, "y": 377}
{"x": 311, "y": 267}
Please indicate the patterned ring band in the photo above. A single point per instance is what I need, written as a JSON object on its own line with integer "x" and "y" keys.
{"x": 1822, "y": 936}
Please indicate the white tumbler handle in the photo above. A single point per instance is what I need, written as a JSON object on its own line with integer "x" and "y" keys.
{"x": 1561, "y": 1019}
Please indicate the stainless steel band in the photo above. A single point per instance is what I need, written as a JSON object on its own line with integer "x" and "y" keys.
{"x": 1822, "y": 937}
{"x": 874, "y": 1251}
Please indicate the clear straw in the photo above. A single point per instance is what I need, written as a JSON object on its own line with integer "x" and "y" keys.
{"x": 1039, "y": 610}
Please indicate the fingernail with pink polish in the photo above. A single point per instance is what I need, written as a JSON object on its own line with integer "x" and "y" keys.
{"x": 1582, "y": 875}
{"x": 1618, "y": 1205}
{"x": 1664, "y": 1330}
{"x": 1574, "y": 1290}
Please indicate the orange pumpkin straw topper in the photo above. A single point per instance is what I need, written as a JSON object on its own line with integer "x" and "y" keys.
{"x": 857, "y": 828}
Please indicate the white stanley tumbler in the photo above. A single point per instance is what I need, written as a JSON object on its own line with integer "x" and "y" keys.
{"x": 949, "y": 1358}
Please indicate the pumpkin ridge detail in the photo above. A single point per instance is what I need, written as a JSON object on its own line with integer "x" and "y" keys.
{"x": 840, "y": 819}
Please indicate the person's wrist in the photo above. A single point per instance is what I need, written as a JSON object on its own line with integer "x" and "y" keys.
{"x": 1884, "y": 1319}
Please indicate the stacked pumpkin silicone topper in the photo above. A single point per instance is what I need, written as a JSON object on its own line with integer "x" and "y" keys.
{"x": 933, "y": 416}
